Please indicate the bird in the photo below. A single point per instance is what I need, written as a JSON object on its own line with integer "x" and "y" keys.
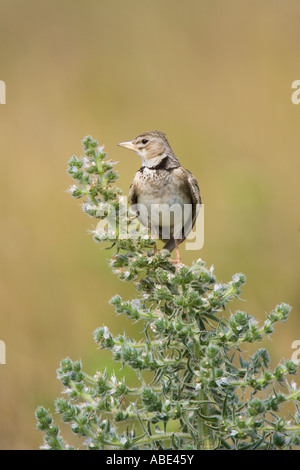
{"x": 165, "y": 195}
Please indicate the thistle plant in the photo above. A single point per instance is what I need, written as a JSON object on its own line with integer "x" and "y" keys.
{"x": 195, "y": 388}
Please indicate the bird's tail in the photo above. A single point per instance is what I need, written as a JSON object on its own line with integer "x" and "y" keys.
{"x": 170, "y": 245}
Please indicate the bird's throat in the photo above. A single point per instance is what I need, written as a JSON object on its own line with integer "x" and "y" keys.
{"x": 153, "y": 162}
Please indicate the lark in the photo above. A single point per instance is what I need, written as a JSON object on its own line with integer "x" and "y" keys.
{"x": 165, "y": 196}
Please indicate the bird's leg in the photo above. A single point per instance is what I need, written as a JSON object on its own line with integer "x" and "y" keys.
{"x": 178, "y": 258}
{"x": 176, "y": 261}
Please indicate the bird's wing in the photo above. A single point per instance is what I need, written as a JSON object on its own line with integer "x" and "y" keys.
{"x": 192, "y": 190}
{"x": 132, "y": 195}
{"x": 193, "y": 187}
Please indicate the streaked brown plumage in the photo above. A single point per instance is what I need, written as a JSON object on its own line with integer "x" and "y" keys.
{"x": 162, "y": 180}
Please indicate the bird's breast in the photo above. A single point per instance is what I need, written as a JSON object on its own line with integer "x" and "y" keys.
{"x": 160, "y": 187}
{"x": 158, "y": 191}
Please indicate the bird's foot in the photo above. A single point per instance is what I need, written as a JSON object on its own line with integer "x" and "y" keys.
{"x": 176, "y": 261}
{"x": 178, "y": 258}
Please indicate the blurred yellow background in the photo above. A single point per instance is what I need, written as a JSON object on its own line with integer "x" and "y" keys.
{"x": 216, "y": 77}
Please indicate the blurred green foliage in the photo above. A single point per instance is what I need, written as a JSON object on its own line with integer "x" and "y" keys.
{"x": 216, "y": 77}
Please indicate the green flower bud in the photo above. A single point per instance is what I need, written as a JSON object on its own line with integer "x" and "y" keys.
{"x": 291, "y": 366}
{"x": 103, "y": 338}
{"x": 256, "y": 407}
{"x": 279, "y": 440}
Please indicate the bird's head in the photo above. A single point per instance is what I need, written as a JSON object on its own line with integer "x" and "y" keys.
{"x": 151, "y": 146}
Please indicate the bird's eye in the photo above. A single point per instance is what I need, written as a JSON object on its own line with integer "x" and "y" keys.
{"x": 144, "y": 141}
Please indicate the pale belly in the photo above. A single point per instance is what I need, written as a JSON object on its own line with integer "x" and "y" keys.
{"x": 163, "y": 206}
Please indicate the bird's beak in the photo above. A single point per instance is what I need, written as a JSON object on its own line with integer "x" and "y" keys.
{"x": 128, "y": 145}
